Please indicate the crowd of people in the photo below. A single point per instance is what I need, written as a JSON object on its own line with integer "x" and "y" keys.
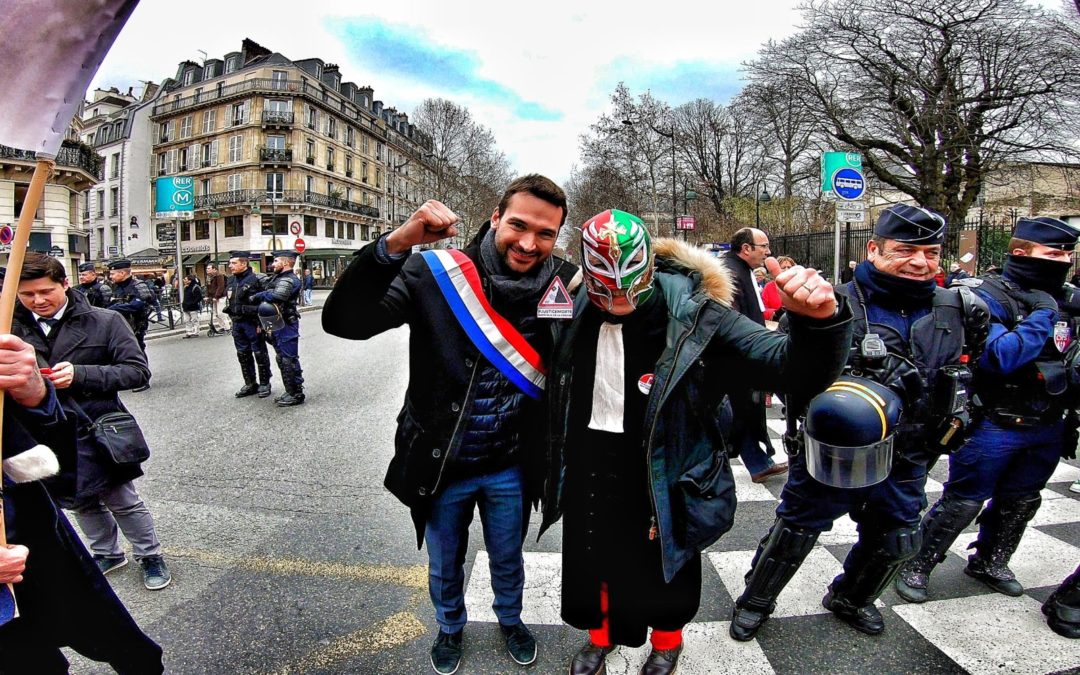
{"x": 614, "y": 396}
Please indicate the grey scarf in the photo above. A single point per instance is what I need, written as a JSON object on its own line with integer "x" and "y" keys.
{"x": 507, "y": 284}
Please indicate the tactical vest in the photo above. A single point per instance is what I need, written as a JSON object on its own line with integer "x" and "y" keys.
{"x": 1039, "y": 389}
{"x": 934, "y": 341}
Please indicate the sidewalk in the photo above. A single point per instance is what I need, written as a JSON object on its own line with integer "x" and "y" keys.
{"x": 317, "y": 298}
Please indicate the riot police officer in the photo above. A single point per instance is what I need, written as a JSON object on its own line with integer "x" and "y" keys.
{"x": 1023, "y": 409}
{"x": 912, "y": 337}
{"x": 247, "y": 336}
{"x": 97, "y": 292}
{"x": 134, "y": 299}
{"x": 281, "y": 322}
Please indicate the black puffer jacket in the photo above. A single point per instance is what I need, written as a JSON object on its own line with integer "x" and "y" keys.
{"x": 445, "y": 368}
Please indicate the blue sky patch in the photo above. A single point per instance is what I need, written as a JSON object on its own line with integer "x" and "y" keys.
{"x": 676, "y": 83}
{"x": 408, "y": 53}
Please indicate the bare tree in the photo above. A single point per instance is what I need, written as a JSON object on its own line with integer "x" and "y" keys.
{"x": 936, "y": 94}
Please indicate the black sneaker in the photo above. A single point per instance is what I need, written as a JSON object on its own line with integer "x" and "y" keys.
{"x": 110, "y": 563}
{"x": 246, "y": 390}
{"x": 264, "y": 390}
{"x": 446, "y": 653}
{"x": 520, "y": 643}
{"x": 156, "y": 573}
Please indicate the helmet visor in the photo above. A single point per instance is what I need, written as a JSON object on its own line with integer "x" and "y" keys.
{"x": 849, "y": 467}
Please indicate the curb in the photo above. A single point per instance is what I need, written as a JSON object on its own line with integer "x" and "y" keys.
{"x": 174, "y": 332}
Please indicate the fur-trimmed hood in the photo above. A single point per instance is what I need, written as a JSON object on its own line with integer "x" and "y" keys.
{"x": 715, "y": 279}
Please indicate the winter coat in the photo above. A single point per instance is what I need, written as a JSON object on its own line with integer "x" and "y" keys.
{"x": 193, "y": 297}
{"x": 744, "y": 288}
{"x": 371, "y": 297}
{"x": 713, "y": 351}
{"x": 215, "y": 286}
{"x": 107, "y": 360}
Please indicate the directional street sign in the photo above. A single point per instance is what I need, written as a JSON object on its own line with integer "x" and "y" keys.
{"x": 849, "y": 184}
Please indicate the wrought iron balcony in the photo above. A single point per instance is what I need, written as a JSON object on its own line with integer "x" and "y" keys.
{"x": 277, "y": 118}
{"x": 286, "y": 197}
{"x": 275, "y": 155}
{"x": 79, "y": 158}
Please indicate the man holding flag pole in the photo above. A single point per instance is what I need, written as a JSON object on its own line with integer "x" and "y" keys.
{"x": 66, "y": 600}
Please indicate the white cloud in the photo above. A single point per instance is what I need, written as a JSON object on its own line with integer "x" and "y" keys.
{"x": 558, "y": 54}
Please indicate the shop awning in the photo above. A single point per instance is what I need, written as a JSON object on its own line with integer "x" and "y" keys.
{"x": 196, "y": 258}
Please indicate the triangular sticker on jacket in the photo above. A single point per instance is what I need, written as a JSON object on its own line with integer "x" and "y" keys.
{"x": 556, "y": 302}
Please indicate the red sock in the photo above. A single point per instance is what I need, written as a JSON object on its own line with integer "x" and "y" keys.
{"x": 600, "y": 636}
{"x": 666, "y": 639}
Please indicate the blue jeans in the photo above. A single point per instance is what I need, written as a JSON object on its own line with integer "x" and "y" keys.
{"x": 307, "y": 295}
{"x": 1004, "y": 462}
{"x": 504, "y": 516}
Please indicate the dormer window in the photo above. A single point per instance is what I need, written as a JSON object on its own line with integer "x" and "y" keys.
{"x": 189, "y": 77}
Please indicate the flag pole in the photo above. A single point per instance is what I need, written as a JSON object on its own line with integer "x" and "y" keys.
{"x": 14, "y": 270}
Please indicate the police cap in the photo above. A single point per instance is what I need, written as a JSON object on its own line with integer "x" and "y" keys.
{"x": 1048, "y": 232}
{"x": 911, "y": 225}
{"x": 285, "y": 254}
{"x": 121, "y": 264}
{"x": 86, "y": 267}
{"x": 239, "y": 254}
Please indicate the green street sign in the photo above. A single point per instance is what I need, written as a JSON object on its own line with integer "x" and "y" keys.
{"x": 831, "y": 162}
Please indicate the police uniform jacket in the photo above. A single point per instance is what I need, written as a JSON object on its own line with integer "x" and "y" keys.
{"x": 282, "y": 289}
{"x": 98, "y": 293}
{"x": 712, "y": 351}
{"x": 107, "y": 360}
{"x": 134, "y": 299}
{"x": 371, "y": 297}
{"x": 240, "y": 291}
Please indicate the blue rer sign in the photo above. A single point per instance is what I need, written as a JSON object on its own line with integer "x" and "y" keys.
{"x": 849, "y": 184}
{"x": 174, "y": 197}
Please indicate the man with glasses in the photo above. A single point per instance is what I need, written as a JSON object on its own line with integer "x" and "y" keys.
{"x": 749, "y": 248}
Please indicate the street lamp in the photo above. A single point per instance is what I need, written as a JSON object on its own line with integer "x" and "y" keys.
{"x": 759, "y": 199}
{"x": 255, "y": 210}
{"x": 670, "y": 133}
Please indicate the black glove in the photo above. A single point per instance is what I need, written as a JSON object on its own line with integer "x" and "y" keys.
{"x": 1071, "y": 436}
{"x": 1036, "y": 299}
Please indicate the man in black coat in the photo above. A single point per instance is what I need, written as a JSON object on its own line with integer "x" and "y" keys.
{"x": 134, "y": 300}
{"x": 97, "y": 292}
{"x": 468, "y": 433}
{"x": 248, "y": 338}
{"x": 749, "y": 248}
{"x": 90, "y": 355}
{"x": 63, "y": 599}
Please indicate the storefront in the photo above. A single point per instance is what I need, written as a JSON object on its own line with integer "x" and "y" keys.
{"x": 327, "y": 264}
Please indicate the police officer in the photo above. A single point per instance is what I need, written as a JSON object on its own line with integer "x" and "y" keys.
{"x": 912, "y": 337}
{"x": 281, "y": 322}
{"x": 247, "y": 335}
{"x": 97, "y": 292}
{"x": 134, "y": 299}
{"x": 1022, "y": 392}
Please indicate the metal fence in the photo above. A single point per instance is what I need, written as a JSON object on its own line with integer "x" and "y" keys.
{"x": 815, "y": 249}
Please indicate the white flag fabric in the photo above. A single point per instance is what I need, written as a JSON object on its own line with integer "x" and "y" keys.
{"x": 52, "y": 49}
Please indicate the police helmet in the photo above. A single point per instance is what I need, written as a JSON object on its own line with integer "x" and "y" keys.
{"x": 849, "y": 432}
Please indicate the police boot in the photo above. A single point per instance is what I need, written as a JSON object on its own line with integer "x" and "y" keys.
{"x": 263, "y": 359}
{"x": 284, "y": 379}
{"x": 941, "y": 526}
{"x": 1062, "y": 608}
{"x": 1002, "y": 524}
{"x": 294, "y": 392}
{"x": 778, "y": 557}
{"x": 247, "y": 368}
{"x": 868, "y": 571}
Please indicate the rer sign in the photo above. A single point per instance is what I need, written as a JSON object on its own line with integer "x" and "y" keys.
{"x": 174, "y": 197}
{"x": 849, "y": 184}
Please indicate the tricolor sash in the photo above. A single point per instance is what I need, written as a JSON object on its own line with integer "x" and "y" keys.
{"x": 494, "y": 336}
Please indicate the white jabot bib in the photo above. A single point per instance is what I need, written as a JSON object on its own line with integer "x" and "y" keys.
{"x": 608, "y": 399}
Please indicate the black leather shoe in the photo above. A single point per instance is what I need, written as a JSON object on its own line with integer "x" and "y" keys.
{"x": 264, "y": 390}
{"x": 246, "y": 390}
{"x": 289, "y": 400}
{"x": 446, "y": 653}
{"x": 662, "y": 661}
{"x": 745, "y": 623}
{"x": 142, "y": 388}
{"x": 999, "y": 578}
{"x": 520, "y": 643}
{"x": 590, "y": 660}
{"x": 864, "y": 619}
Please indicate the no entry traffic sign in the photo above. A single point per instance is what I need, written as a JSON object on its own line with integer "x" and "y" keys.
{"x": 300, "y": 245}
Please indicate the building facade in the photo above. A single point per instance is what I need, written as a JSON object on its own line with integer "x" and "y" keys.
{"x": 119, "y": 207}
{"x": 281, "y": 151}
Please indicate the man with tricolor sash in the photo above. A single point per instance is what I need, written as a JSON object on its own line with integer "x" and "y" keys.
{"x": 470, "y": 431}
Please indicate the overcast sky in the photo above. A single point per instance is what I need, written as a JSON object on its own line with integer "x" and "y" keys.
{"x": 537, "y": 74}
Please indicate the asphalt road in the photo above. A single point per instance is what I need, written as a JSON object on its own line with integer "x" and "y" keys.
{"x": 288, "y": 556}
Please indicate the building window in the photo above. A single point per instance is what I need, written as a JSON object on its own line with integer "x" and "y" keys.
{"x": 234, "y": 226}
{"x": 235, "y": 181}
{"x": 185, "y": 231}
{"x": 100, "y": 203}
{"x": 275, "y": 185}
{"x": 312, "y": 117}
{"x": 182, "y": 155}
{"x": 310, "y": 224}
{"x": 209, "y": 121}
{"x": 189, "y": 77}
{"x": 328, "y": 228}
{"x": 209, "y": 154}
{"x": 329, "y": 158}
{"x": 350, "y": 136}
{"x": 341, "y": 229}
{"x": 348, "y": 166}
{"x": 236, "y": 148}
{"x": 202, "y": 229}
{"x": 115, "y": 171}
{"x": 275, "y": 142}
{"x": 114, "y": 198}
{"x": 378, "y": 177}
{"x": 185, "y": 127}
{"x": 278, "y": 78}
{"x": 167, "y": 131}
{"x": 205, "y": 186}
{"x": 310, "y": 151}
{"x": 163, "y": 164}
{"x": 352, "y": 231}
{"x": 309, "y": 183}
{"x": 230, "y": 64}
{"x": 378, "y": 150}
{"x": 239, "y": 113}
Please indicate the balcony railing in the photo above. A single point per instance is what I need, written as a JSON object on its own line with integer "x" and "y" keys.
{"x": 277, "y": 117}
{"x": 242, "y": 197}
{"x": 81, "y": 158}
{"x": 275, "y": 155}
